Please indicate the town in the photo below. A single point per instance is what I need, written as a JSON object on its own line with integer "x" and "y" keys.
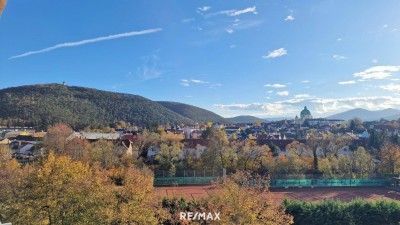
{"x": 25, "y": 143}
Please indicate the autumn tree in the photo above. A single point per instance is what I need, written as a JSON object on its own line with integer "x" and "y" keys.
{"x": 243, "y": 199}
{"x": 120, "y": 124}
{"x": 355, "y": 164}
{"x": 169, "y": 155}
{"x": 78, "y": 149}
{"x": 257, "y": 123}
{"x": 11, "y": 179}
{"x": 214, "y": 156}
{"x": 5, "y": 153}
{"x": 390, "y": 159}
{"x": 345, "y": 167}
{"x": 55, "y": 191}
{"x": 134, "y": 202}
{"x": 104, "y": 152}
{"x": 160, "y": 130}
{"x": 252, "y": 156}
{"x": 326, "y": 145}
{"x": 191, "y": 157}
{"x": 299, "y": 157}
{"x": 329, "y": 167}
{"x": 56, "y": 138}
{"x": 364, "y": 163}
{"x": 170, "y": 138}
{"x": 145, "y": 140}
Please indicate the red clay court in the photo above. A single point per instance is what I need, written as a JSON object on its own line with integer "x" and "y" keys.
{"x": 305, "y": 194}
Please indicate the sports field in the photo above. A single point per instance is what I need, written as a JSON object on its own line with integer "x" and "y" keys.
{"x": 278, "y": 194}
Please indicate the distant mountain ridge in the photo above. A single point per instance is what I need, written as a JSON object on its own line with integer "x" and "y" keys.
{"x": 367, "y": 115}
{"x": 252, "y": 119}
{"x": 245, "y": 119}
{"x": 192, "y": 112}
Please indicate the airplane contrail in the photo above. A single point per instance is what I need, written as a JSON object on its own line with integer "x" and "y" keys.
{"x": 83, "y": 42}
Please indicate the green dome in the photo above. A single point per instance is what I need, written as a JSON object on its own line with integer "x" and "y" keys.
{"x": 305, "y": 112}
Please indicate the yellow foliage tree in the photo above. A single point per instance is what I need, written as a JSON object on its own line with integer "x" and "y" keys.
{"x": 105, "y": 153}
{"x": 390, "y": 159}
{"x": 240, "y": 201}
{"x": 56, "y": 191}
{"x": 135, "y": 202}
{"x": 5, "y": 153}
{"x": 56, "y": 138}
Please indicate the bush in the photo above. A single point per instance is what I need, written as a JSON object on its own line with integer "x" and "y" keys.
{"x": 336, "y": 212}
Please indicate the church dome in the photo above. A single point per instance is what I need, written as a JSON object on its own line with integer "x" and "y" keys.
{"x": 305, "y": 112}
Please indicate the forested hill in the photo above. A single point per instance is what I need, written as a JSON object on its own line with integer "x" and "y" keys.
{"x": 194, "y": 113}
{"x": 43, "y": 105}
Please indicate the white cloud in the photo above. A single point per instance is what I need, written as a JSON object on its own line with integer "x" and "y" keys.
{"x": 282, "y": 93}
{"x": 371, "y": 103}
{"x": 302, "y": 96}
{"x": 289, "y": 18}
{"x": 187, "y": 20}
{"x": 377, "y": 72}
{"x": 339, "y": 57}
{"x": 148, "y": 72}
{"x": 243, "y": 11}
{"x": 232, "y": 46}
{"x": 269, "y": 107}
{"x": 204, "y": 8}
{"x": 347, "y": 82}
{"x": 339, "y": 39}
{"x": 150, "y": 69}
{"x": 305, "y": 81}
{"x": 385, "y": 25}
{"x": 236, "y": 22}
{"x": 186, "y": 82}
{"x": 391, "y": 87}
{"x": 87, "y": 41}
{"x": 234, "y": 12}
{"x": 269, "y": 92}
{"x": 199, "y": 81}
{"x": 275, "y": 53}
{"x": 229, "y": 30}
{"x": 374, "y": 61}
{"x": 247, "y": 24}
{"x": 275, "y": 85}
{"x": 317, "y": 106}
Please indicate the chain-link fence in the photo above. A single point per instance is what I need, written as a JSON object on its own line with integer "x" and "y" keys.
{"x": 186, "y": 177}
{"x": 330, "y": 183}
{"x": 188, "y": 173}
{"x": 332, "y": 176}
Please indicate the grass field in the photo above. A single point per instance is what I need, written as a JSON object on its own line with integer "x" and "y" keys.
{"x": 278, "y": 194}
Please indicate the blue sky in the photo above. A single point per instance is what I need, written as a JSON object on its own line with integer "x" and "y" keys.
{"x": 261, "y": 58}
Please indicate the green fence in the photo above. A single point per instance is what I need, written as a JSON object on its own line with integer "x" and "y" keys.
{"x": 330, "y": 183}
{"x": 160, "y": 181}
{"x": 168, "y": 181}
